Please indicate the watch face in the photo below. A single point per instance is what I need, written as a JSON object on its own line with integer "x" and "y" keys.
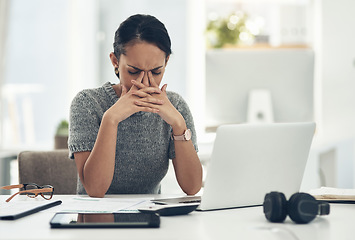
{"x": 187, "y": 134}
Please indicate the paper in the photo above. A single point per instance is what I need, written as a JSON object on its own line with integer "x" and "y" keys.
{"x": 104, "y": 205}
{"x": 326, "y": 193}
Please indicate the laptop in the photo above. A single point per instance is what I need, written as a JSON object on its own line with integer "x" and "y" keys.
{"x": 250, "y": 160}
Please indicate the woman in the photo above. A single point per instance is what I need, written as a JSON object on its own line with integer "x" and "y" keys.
{"x": 123, "y": 135}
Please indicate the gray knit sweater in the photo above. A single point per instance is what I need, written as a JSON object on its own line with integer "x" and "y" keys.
{"x": 144, "y": 144}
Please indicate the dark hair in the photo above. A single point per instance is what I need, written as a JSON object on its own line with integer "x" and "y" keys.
{"x": 144, "y": 28}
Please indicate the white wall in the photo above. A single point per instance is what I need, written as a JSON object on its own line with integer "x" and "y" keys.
{"x": 334, "y": 146}
{"x": 34, "y": 55}
{"x": 61, "y": 47}
{"x": 171, "y": 13}
{"x": 337, "y": 68}
{"x": 3, "y": 28}
{"x": 50, "y": 56}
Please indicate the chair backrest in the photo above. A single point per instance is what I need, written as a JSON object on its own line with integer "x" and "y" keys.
{"x": 49, "y": 167}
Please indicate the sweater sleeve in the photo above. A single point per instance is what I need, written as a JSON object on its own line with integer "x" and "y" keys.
{"x": 84, "y": 123}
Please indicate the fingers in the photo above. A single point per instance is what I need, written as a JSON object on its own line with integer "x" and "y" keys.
{"x": 138, "y": 80}
{"x": 145, "y": 88}
{"x": 146, "y": 106}
{"x": 146, "y": 97}
{"x": 163, "y": 89}
{"x": 149, "y": 99}
{"x": 144, "y": 93}
{"x": 148, "y": 109}
{"x": 123, "y": 90}
{"x": 152, "y": 81}
{"x": 140, "y": 77}
{"x": 143, "y": 82}
{"x": 146, "y": 80}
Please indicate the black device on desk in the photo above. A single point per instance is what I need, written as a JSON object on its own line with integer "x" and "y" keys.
{"x": 170, "y": 209}
{"x": 105, "y": 220}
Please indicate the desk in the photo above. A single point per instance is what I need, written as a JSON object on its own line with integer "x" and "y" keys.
{"x": 243, "y": 223}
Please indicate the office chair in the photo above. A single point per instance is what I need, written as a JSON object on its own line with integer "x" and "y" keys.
{"x": 49, "y": 167}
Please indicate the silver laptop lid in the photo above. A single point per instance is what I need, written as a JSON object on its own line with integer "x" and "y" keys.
{"x": 250, "y": 160}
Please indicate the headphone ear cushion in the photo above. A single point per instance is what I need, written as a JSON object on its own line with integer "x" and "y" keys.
{"x": 275, "y": 207}
{"x": 302, "y": 207}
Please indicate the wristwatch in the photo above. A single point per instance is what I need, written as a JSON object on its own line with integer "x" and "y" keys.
{"x": 184, "y": 137}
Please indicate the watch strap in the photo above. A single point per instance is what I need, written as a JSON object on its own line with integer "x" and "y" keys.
{"x": 186, "y": 136}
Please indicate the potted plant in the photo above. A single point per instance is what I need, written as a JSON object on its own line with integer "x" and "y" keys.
{"x": 225, "y": 31}
{"x": 61, "y": 136}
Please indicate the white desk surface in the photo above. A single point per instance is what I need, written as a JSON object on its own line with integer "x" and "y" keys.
{"x": 242, "y": 223}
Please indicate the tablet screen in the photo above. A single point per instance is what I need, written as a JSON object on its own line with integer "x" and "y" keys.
{"x": 104, "y": 220}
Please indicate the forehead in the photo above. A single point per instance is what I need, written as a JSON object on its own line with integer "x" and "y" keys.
{"x": 143, "y": 55}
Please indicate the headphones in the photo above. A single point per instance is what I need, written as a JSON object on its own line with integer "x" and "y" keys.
{"x": 301, "y": 207}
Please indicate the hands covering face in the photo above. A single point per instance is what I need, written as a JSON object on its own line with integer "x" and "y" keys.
{"x": 145, "y": 95}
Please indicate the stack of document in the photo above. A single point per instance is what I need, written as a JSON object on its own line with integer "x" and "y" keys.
{"x": 333, "y": 194}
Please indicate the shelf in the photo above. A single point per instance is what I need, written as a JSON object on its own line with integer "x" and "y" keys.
{"x": 261, "y": 46}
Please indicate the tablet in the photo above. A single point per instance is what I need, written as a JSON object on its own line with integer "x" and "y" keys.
{"x": 105, "y": 220}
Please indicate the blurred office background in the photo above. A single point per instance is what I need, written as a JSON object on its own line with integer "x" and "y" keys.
{"x": 234, "y": 61}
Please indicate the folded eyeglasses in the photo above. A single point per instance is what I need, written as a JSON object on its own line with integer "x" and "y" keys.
{"x": 32, "y": 190}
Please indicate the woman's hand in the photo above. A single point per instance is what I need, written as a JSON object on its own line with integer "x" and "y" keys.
{"x": 126, "y": 105}
{"x": 166, "y": 110}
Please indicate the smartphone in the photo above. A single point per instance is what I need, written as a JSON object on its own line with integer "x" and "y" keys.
{"x": 105, "y": 220}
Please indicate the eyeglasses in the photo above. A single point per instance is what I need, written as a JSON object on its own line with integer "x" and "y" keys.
{"x": 32, "y": 190}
